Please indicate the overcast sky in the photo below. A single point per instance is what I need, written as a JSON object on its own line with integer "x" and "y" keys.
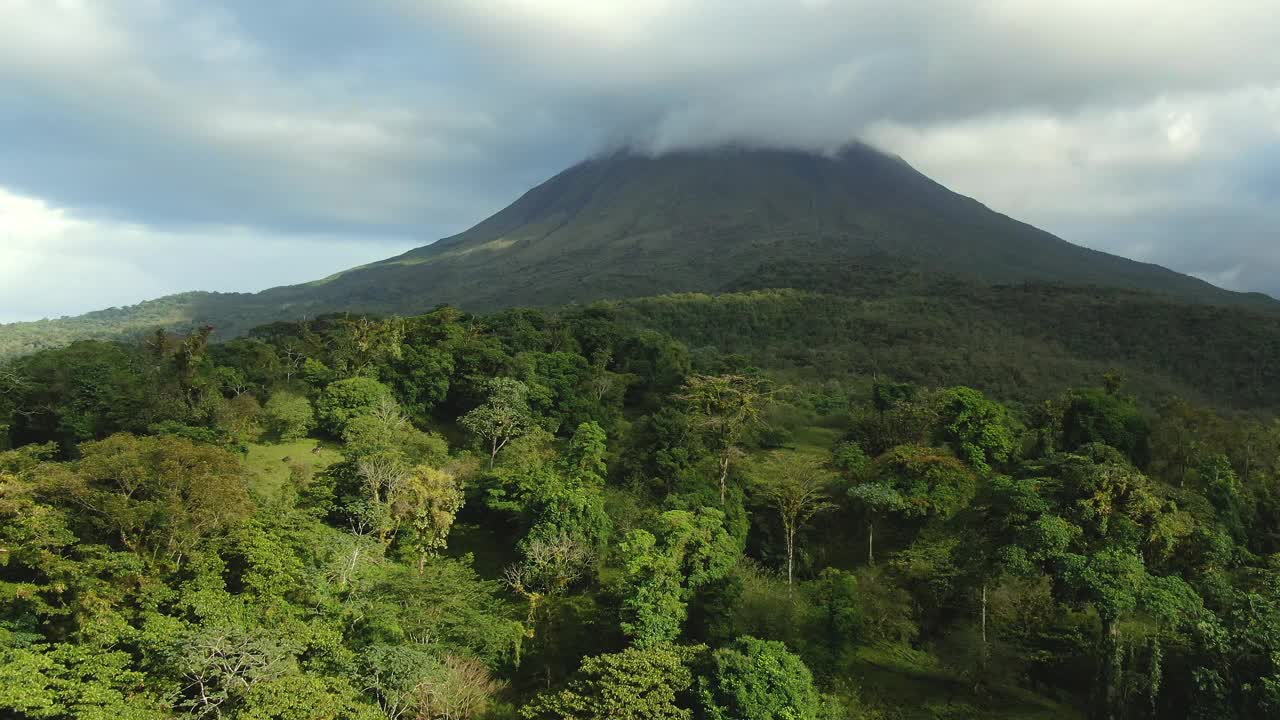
{"x": 155, "y": 146}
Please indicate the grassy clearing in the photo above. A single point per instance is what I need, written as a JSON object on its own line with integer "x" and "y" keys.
{"x": 815, "y": 440}
{"x": 268, "y": 464}
{"x": 920, "y": 688}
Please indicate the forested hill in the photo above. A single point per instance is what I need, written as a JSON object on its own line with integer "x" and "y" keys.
{"x": 1018, "y": 342}
{"x": 628, "y": 225}
{"x": 530, "y": 515}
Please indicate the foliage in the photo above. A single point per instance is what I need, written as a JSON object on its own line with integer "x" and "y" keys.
{"x": 344, "y": 400}
{"x": 692, "y": 550}
{"x": 289, "y": 416}
{"x": 156, "y": 496}
{"x": 980, "y": 429}
{"x": 796, "y": 488}
{"x": 504, "y": 415}
{"x": 1115, "y": 553}
{"x": 917, "y": 482}
{"x": 756, "y": 679}
{"x": 635, "y": 684}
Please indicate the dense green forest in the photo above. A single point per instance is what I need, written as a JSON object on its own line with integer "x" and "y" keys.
{"x": 741, "y": 507}
{"x": 1022, "y": 342}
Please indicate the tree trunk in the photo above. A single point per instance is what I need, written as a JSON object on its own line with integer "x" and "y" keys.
{"x": 984, "y": 626}
{"x": 871, "y": 533}
{"x": 1248, "y": 460}
{"x": 1108, "y": 701}
{"x": 724, "y": 475}
{"x": 493, "y": 451}
{"x": 791, "y": 555}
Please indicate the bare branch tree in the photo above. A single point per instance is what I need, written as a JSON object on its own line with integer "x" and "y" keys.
{"x": 460, "y": 689}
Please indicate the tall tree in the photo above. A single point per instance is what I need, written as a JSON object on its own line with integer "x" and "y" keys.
{"x": 914, "y": 483}
{"x": 503, "y": 416}
{"x": 157, "y": 496}
{"x": 796, "y": 487}
{"x": 431, "y": 500}
{"x": 724, "y": 407}
{"x": 288, "y": 415}
{"x": 1088, "y": 520}
{"x": 979, "y": 429}
{"x": 345, "y": 399}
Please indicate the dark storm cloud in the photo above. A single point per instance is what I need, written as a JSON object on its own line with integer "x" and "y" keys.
{"x": 1139, "y": 127}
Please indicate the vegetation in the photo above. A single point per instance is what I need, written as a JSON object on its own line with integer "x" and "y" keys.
{"x": 640, "y": 510}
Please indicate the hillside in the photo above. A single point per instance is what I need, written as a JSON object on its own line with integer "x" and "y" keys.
{"x": 1020, "y": 343}
{"x": 632, "y": 225}
{"x": 629, "y": 225}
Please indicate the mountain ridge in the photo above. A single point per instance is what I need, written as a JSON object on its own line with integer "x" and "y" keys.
{"x": 625, "y": 224}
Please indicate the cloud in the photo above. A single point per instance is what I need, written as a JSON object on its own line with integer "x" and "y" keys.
{"x": 53, "y": 263}
{"x": 1134, "y": 126}
{"x": 1182, "y": 180}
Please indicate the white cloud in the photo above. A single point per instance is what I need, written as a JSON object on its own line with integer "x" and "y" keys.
{"x": 53, "y": 264}
{"x": 1106, "y": 165}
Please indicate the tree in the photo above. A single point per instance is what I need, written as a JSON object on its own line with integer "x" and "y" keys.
{"x": 424, "y": 498}
{"x": 979, "y": 429}
{"x": 913, "y": 482}
{"x": 223, "y": 664}
{"x": 662, "y": 572}
{"x": 395, "y": 674}
{"x": 74, "y": 681}
{"x": 157, "y": 496}
{"x": 552, "y": 494}
{"x": 288, "y": 415}
{"x": 837, "y": 623}
{"x": 551, "y": 565}
{"x": 1093, "y": 416}
{"x": 1086, "y": 521}
{"x": 850, "y": 459}
{"x": 653, "y": 606}
{"x": 1220, "y": 485}
{"x": 359, "y": 345}
{"x": 1181, "y": 436}
{"x": 345, "y": 399}
{"x": 504, "y": 415}
{"x": 385, "y": 429}
{"x": 458, "y": 688}
{"x": 414, "y": 681}
{"x": 758, "y": 680}
{"x": 423, "y": 375}
{"x": 431, "y": 500}
{"x": 795, "y": 486}
{"x": 724, "y": 408}
{"x": 303, "y": 696}
{"x": 887, "y": 395}
{"x": 447, "y": 607}
{"x": 639, "y": 683}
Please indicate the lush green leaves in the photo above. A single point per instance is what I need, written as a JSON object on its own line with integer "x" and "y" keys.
{"x": 758, "y": 680}
{"x": 639, "y": 683}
